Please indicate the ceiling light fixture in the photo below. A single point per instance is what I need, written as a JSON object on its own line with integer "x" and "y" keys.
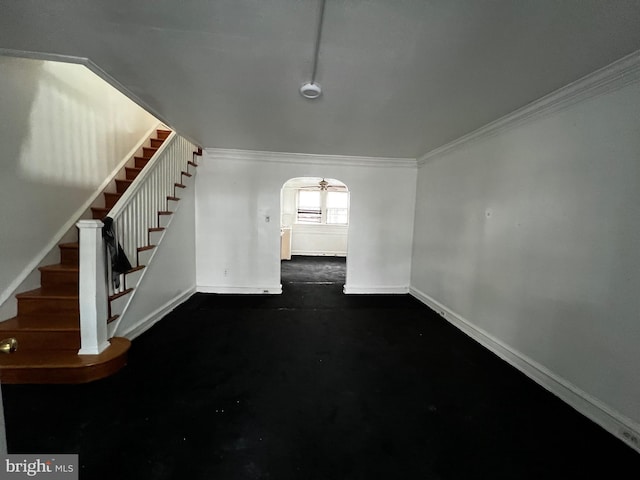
{"x": 311, "y": 89}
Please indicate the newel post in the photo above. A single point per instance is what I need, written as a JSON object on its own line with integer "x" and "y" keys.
{"x": 93, "y": 289}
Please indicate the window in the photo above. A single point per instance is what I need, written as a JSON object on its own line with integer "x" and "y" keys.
{"x": 316, "y": 206}
{"x": 338, "y": 208}
{"x": 309, "y": 206}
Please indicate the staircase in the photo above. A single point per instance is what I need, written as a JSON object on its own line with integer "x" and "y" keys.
{"x": 47, "y": 326}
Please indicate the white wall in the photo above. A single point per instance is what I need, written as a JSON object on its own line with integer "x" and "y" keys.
{"x": 527, "y": 238}
{"x": 62, "y": 131}
{"x": 310, "y": 239}
{"x": 237, "y": 250}
{"x": 169, "y": 278}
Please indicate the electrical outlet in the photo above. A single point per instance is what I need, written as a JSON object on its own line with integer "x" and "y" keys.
{"x": 630, "y": 437}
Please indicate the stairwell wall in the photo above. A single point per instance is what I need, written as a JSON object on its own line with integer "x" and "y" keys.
{"x": 170, "y": 277}
{"x": 63, "y": 130}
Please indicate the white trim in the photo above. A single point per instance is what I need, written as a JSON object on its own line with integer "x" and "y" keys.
{"x": 270, "y": 290}
{"x": 615, "y": 423}
{"x": 375, "y": 290}
{"x": 308, "y": 158}
{"x": 50, "y": 57}
{"x": 35, "y": 262}
{"x": 320, "y": 253}
{"x": 607, "y": 79}
{"x": 154, "y": 317}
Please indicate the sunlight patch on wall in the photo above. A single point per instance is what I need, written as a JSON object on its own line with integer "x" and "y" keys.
{"x": 76, "y": 124}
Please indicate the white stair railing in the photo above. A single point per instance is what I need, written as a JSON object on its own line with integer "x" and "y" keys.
{"x": 133, "y": 215}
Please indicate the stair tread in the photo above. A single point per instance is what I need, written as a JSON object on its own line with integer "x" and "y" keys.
{"x": 120, "y": 294}
{"x": 51, "y": 359}
{"x": 40, "y": 324}
{"x": 69, "y": 245}
{"x": 40, "y": 293}
{"x": 60, "y": 267}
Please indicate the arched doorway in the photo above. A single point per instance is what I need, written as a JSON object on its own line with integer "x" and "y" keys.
{"x": 314, "y": 220}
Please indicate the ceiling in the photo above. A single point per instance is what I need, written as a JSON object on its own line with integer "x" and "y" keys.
{"x": 399, "y": 77}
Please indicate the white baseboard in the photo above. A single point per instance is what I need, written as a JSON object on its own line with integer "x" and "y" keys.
{"x": 376, "y": 290}
{"x": 270, "y": 290}
{"x": 319, "y": 253}
{"x": 154, "y": 317}
{"x": 620, "y": 426}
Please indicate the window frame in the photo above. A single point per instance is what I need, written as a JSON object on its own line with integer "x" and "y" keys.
{"x": 324, "y": 210}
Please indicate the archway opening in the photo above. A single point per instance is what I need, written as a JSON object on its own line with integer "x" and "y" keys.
{"x": 314, "y": 228}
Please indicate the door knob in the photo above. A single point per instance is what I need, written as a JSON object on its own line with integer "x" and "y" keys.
{"x": 8, "y": 345}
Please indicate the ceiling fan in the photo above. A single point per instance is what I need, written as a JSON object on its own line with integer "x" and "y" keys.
{"x": 324, "y": 185}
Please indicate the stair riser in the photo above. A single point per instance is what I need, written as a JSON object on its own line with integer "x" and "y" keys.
{"x": 141, "y": 162}
{"x": 117, "y": 306}
{"x": 122, "y": 185}
{"x": 155, "y": 143}
{"x": 163, "y": 134}
{"x": 46, "y": 307}
{"x": 49, "y": 340}
{"x": 132, "y": 279}
{"x": 69, "y": 256}
{"x": 35, "y": 375}
{"x": 99, "y": 213}
{"x": 144, "y": 257}
{"x": 155, "y": 236}
{"x": 131, "y": 174}
{"x": 59, "y": 280}
{"x": 110, "y": 199}
{"x": 164, "y": 220}
{"x": 148, "y": 152}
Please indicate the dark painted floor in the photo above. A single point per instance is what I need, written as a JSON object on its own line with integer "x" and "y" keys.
{"x": 311, "y": 384}
{"x": 304, "y": 269}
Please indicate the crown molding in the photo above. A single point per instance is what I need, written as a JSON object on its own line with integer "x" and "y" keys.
{"x": 614, "y": 76}
{"x": 309, "y": 158}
